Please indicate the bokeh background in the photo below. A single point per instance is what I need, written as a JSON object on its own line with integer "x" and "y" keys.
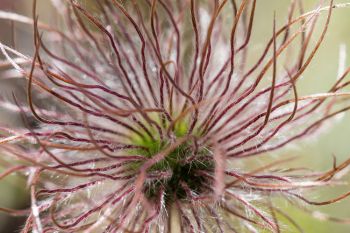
{"x": 314, "y": 153}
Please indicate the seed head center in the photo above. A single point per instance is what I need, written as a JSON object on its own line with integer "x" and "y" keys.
{"x": 181, "y": 174}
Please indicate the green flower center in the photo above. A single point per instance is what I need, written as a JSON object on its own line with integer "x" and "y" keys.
{"x": 180, "y": 173}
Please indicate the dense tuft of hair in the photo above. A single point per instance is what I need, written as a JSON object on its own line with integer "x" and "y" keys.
{"x": 151, "y": 108}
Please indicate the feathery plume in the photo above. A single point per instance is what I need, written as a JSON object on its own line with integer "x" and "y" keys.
{"x": 152, "y": 109}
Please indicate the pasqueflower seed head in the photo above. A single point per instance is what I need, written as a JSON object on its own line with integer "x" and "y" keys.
{"x": 141, "y": 116}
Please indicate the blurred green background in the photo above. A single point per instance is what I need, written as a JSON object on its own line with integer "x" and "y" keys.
{"x": 315, "y": 153}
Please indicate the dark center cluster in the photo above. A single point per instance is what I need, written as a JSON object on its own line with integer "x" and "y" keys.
{"x": 181, "y": 175}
